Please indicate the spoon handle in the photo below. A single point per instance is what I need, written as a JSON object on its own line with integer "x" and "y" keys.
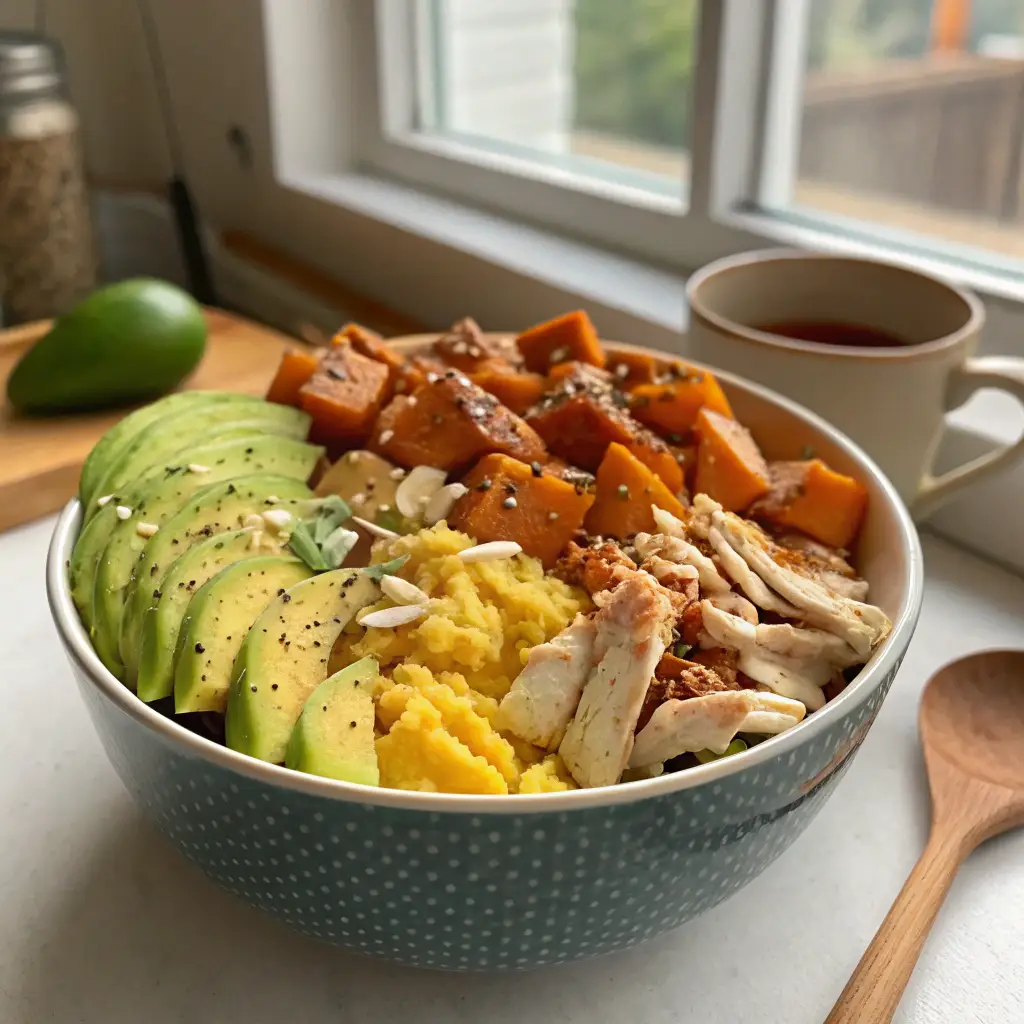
{"x": 873, "y": 992}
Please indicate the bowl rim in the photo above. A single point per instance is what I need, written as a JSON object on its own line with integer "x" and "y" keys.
{"x": 81, "y": 653}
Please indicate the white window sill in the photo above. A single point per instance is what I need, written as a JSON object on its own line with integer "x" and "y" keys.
{"x": 984, "y": 519}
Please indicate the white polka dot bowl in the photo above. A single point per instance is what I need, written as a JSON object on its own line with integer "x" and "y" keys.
{"x": 516, "y": 882}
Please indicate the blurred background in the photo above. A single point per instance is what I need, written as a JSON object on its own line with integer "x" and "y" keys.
{"x": 892, "y": 124}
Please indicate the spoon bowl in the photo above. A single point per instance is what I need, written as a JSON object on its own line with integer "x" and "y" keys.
{"x": 972, "y": 730}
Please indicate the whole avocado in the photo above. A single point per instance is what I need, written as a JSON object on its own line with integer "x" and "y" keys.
{"x": 125, "y": 343}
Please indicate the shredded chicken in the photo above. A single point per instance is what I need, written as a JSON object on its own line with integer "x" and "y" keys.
{"x": 710, "y": 723}
{"x": 545, "y": 694}
{"x": 793, "y": 661}
{"x": 861, "y": 625}
{"x": 680, "y": 679}
{"x": 633, "y": 627}
{"x": 682, "y": 552}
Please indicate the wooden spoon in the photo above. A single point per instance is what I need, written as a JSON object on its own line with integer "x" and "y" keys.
{"x": 972, "y": 728}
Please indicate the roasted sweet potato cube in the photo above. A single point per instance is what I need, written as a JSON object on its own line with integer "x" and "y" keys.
{"x": 626, "y": 490}
{"x": 449, "y": 422}
{"x": 416, "y": 372}
{"x": 630, "y": 368}
{"x": 518, "y": 389}
{"x": 671, "y": 407}
{"x": 568, "y": 337}
{"x": 509, "y": 500}
{"x": 465, "y": 347}
{"x": 730, "y": 466}
{"x": 810, "y": 497}
{"x": 294, "y": 370}
{"x": 657, "y": 456}
{"x": 580, "y": 418}
{"x": 344, "y": 396}
{"x": 370, "y": 344}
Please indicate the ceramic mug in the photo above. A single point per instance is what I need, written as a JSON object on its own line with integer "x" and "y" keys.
{"x": 891, "y": 399}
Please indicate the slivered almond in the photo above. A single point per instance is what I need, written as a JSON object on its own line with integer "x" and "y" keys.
{"x": 374, "y": 530}
{"x": 418, "y": 487}
{"x": 442, "y": 502}
{"x": 388, "y": 618}
{"x": 278, "y": 518}
{"x": 491, "y": 551}
{"x": 402, "y": 591}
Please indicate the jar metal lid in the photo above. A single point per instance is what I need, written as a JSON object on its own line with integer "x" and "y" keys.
{"x": 31, "y": 66}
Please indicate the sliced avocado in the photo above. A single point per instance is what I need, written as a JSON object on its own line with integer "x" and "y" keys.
{"x": 164, "y": 439}
{"x": 218, "y": 508}
{"x": 284, "y": 658}
{"x": 96, "y": 531}
{"x": 216, "y": 622}
{"x": 154, "y": 499}
{"x": 334, "y": 734}
{"x": 187, "y": 574}
{"x": 110, "y": 446}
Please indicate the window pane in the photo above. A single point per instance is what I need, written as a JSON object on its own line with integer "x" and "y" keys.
{"x": 599, "y": 87}
{"x": 913, "y": 117}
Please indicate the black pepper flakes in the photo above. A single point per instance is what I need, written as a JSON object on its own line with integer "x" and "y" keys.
{"x": 510, "y": 488}
{"x": 273, "y": 686}
{"x": 351, "y": 725}
{"x": 200, "y": 649}
{"x": 286, "y": 598}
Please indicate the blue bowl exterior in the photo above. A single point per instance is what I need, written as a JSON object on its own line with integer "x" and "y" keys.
{"x": 460, "y": 891}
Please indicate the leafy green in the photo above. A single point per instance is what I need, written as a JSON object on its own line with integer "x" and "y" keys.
{"x": 706, "y": 756}
{"x": 310, "y": 537}
{"x": 681, "y": 650}
{"x": 379, "y": 571}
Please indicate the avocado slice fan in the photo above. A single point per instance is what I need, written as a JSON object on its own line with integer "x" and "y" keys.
{"x": 179, "y": 194}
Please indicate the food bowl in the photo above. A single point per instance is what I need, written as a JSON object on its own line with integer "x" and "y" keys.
{"x": 507, "y": 882}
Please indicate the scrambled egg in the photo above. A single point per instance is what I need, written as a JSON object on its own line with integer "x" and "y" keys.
{"x": 548, "y": 776}
{"x": 444, "y": 674}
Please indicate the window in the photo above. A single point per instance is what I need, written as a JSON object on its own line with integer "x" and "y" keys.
{"x": 601, "y": 87}
{"x": 906, "y": 115}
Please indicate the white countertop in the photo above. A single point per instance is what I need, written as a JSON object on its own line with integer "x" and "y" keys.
{"x": 102, "y": 922}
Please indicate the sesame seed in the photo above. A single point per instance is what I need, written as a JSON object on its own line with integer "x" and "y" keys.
{"x": 385, "y": 436}
{"x": 536, "y": 468}
{"x": 397, "y": 473}
{"x": 623, "y": 491}
{"x": 123, "y": 512}
{"x": 197, "y": 467}
{"x": 413, "y": 400}
{"x": 433, "y": 378}
{"x": 560, "y": 354}
{"x": 510, "y": 503}
{"x": 484, "y": 485}
{"x": 358, "y": 499}
{"x": 552, "y": 516}
{"x": 622, "y": 371}
{"x": 146, "y": 529}
{"x": 105, "y": 500}
{"x": 272, "y": 499}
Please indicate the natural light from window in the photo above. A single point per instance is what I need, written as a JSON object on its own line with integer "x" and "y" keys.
{"x": 598, "y": 87}
{"x": 894, "y": 114}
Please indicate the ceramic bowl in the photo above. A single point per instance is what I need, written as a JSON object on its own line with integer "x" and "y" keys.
{"x": 462, "y": 882}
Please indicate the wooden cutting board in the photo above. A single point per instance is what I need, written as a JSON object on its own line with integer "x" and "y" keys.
{"x": 41, "y": 457}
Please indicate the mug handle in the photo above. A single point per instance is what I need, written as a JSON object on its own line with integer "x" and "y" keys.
{"x": 1002, "y": 372}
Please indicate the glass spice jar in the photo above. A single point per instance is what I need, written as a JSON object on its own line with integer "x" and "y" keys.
{"x": 47, "y": 253}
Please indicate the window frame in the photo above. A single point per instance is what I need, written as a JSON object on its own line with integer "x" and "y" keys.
{"x": 744, "y": 115}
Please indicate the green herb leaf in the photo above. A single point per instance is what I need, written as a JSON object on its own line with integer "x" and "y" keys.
{"x": 736, "y": 747}
{"x": 302, "y": 543}
{"x": 382, "y": 569}
{"x": 682, "y": 650}
{"x": 310, "y": 535}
